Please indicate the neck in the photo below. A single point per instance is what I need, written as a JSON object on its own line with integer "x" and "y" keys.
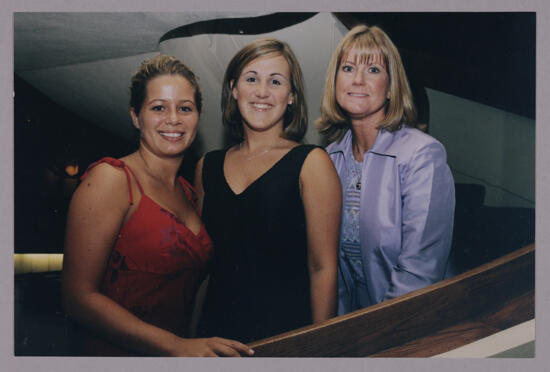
{"x": 164, "y": 170}
{"x": 363, "y": 136}
{"x": 257, "y": 141}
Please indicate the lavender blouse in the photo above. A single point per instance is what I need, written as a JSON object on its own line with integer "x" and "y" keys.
{"x": 405, "y": 220}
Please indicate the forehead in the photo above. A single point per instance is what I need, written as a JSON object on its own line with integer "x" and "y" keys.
{"x": 269, "y": 63}
{"x": 173, "y": 84}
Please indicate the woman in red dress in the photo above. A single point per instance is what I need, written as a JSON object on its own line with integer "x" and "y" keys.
{"x": 136, "y": 249}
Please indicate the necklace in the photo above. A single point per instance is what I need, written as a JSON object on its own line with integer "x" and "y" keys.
{"x": 258, "y": 155}
{"x": 357, "y": 174}
{"x": 355, "y": 168}
{"x": 265, "y": 151}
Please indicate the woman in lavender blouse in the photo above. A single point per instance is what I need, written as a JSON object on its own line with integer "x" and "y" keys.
{"x": 398, "y": 205}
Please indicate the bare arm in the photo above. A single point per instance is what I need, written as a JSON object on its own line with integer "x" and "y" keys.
{"x": 198, "y": 183}
{"x": 322, "y": 198}
{"x": 96, "y": 214}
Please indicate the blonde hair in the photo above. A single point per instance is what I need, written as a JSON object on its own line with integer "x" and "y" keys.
{"x": 295, "y": 118}
{"x": 371, "y": 43}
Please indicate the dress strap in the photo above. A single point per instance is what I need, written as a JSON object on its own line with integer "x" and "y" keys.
{"x": 212, "y": 170}
{"x": 297, "y": 155}
{"x": 190, "y": 193}
{"x": 119, "y": 164}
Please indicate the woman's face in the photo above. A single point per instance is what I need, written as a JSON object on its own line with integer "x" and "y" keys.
{"x": 362, "y": 89}
{"x": 168, "y": 118}
{"x": 262, "y": 92}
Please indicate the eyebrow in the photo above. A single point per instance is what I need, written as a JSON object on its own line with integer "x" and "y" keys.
{"x": 165, "y": 100}
{"x": 272, "y": 74}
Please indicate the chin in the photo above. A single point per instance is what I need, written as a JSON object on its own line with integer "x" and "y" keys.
{"x": 262, "y": 126}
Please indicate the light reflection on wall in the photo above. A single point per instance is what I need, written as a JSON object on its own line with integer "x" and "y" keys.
{"x": 37, "y": 263}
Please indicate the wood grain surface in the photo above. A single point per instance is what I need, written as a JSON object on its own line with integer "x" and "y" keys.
{"x": 466, "y": 307}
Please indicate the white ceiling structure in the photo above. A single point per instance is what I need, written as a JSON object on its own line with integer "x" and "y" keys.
{"x": 84, "y": 61}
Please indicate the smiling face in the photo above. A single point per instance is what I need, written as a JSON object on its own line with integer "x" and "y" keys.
{"x": 262, "y": 92}
{"x": 362, "y": 86}
{"x": 168, "y": 117}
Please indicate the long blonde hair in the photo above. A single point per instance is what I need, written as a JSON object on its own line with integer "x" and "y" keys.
{"x": 370, "y": 42}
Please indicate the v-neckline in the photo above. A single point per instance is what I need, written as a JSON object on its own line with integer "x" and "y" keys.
{"x": 250, "y": 185}
{"x": 173, "y": 216}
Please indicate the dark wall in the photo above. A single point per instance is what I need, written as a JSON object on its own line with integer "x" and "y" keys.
{"x": 47, "y": 138}
{"x": 488, "y": 58}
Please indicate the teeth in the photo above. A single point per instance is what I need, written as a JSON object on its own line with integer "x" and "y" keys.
{"x": 171, "y": 134}
{"x": 261, "y": 105}
{"x": 357, "y": 95}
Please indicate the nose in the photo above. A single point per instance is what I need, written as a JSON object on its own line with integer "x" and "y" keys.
{"x": 358, "y": 77}
{"x": 262, "y": 90}
{"x": 172, "y": 117}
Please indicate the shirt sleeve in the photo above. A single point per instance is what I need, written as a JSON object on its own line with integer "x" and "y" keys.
{"x": 428, "y": 202}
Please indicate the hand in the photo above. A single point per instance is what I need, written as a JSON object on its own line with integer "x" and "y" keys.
{"x": 211, "y": 347}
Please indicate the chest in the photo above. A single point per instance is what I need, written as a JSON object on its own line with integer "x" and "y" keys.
{"x": 173, "y": 202}
{"x": 241, "y": 172}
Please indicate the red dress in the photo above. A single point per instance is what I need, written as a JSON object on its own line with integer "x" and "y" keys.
{"x": 157, "y": 263}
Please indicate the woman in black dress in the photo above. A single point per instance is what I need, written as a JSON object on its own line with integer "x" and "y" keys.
{"x": 270, "y": 204}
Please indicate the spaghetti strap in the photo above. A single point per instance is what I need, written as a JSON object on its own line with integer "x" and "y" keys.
{"x": 119, "y": 164}
{"x": 137, "y": 181}
{"x": 190, "y": 193}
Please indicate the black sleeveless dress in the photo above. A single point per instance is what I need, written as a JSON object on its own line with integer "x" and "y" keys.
{"x": 259, "y": 279}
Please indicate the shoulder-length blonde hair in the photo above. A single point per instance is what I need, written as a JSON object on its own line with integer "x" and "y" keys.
{"x": 370, "y": 43}
{"x": 295, "y": 118}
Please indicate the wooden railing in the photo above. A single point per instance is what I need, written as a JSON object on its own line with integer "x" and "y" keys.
{"x": 431, "y": 320}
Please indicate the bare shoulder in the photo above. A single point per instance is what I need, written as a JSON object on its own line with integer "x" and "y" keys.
{"x": 318, "y": 171}
{"x": 104, "y": 184}
{"x": 320, "y": 188}
{"x": 104, "y": 176}
{"x": 317, "y": 161}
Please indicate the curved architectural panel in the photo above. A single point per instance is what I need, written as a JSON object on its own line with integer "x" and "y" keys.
{"x": 312, "y": 40}
{"x": 239, "y": 26}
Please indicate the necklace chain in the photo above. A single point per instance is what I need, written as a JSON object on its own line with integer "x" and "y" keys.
{"x": 265, "y": 151}
{"x": 356, "y": 166}
{"x": 258, "y": 155}
{"x": 356, "y": 171}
